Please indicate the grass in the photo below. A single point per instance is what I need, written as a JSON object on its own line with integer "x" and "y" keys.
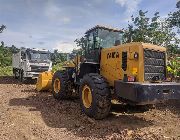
{"x": 6, "y": 71}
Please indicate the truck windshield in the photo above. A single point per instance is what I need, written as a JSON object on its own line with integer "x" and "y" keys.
{"x": 109, "y": 38}
{"x": 39, "y": 56}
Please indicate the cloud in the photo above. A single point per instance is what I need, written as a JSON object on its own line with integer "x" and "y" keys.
{"x": 56, "y": 13}
{"x": 130, "y": 5}
{"x": 66, "y": 20}
{"x": 41, "y": 43}
{"x": 65, "y": 47}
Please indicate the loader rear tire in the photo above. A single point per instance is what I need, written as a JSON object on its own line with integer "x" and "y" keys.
{"x": 60, "y": 85}
{"x": 95, "y": 96}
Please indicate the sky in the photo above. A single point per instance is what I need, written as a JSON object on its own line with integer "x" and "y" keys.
{"x": 55, "y": 24}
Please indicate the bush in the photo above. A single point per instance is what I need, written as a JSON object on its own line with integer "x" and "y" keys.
{"x": 173, "y": 66}
{"x": 6, "y": 71}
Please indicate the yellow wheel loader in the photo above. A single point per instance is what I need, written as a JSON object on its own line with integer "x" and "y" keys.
{"x": 134, "y": 73}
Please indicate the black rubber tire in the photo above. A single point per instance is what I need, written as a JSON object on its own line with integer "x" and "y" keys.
{"x": 21, "y": 77}
{"x": 15, "y": 74}
{"x": 64, "y": 92}
{"x": 101, "y": 96}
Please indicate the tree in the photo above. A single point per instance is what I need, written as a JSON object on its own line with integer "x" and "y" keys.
{"x": 2, "y": 44}
{"x": 81, "y": 42}
{"x": 14, "y": 49}
{"x": 57, "y": 57}
{"x": 178, "y": 4}
{"x": 174, "y": 19}
{"x": 2, "y": 27}
{"x": 152, "y": 30}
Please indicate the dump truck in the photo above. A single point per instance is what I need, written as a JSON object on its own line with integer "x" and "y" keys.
{"x": 134, "y": 73}
{"x": 29, "y": 63}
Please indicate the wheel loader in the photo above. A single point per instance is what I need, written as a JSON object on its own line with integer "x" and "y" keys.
{"x": 134, "y": 73}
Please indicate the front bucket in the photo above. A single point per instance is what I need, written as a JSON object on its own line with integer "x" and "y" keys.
{"x": 44, "y": 81}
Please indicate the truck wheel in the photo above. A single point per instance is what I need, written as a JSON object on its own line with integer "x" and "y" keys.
{"x": 60, "y": 85}
{"x": 21, "y": 76}
{"x": 95, "y": 96}
{"x": 16, "y": 74}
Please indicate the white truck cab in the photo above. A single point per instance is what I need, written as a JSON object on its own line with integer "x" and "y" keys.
{"x": 29, "y": 63}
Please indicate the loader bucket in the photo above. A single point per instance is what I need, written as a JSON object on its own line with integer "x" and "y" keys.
{"x": 44, "y": 81}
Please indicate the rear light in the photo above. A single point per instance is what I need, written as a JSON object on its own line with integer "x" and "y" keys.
{"x": 131, "y": 78}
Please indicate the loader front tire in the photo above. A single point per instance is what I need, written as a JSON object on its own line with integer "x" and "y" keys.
{"x": 95, "y": 96}
{"x": 60, "y": 84}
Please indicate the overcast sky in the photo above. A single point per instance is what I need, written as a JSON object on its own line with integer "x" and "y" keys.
{"x": 55, "y": 24}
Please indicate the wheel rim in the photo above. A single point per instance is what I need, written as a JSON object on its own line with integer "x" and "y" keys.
{"x": 57, "y": 85}
{"x": 87, "y": 96}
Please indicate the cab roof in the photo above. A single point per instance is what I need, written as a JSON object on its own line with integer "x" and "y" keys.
{"x": 103, "y": 27}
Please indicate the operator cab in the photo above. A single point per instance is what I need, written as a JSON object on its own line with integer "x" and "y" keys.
{"x": 98, "y": 38}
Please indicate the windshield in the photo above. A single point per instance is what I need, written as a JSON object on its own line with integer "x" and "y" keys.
{"x": 109, "y": 38}
{"x": 39, "y": 56}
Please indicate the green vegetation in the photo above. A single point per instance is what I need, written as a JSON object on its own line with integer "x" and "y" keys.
{"x": 153, "y": 30}
{"x": 6, "y": 56}
{"x": 173, "y": 66}
{"x": 2, "y": 27}
{"x": 57, "y": 67}
{"x": 57, "y": 57}
{"x": 6, "y": 59}
{"x": 6, "y": 71}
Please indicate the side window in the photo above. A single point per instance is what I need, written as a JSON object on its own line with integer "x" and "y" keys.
{"x": 124, "y": 61}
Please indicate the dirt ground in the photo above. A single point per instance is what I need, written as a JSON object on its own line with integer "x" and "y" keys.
{"x": 27, "y": 114}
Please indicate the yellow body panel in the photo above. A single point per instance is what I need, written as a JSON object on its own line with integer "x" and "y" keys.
{"x": 111, "y": 69}
{"x": 44, "y": 81}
